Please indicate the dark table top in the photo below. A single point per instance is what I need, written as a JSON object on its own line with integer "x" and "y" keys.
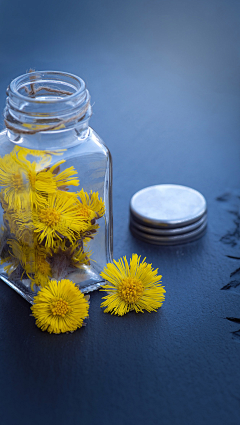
{"x": 164, "y": 81}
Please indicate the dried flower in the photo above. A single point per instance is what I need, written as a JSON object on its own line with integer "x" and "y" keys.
{"x": 60, "y": 307}
{"x": 135, "y": 287}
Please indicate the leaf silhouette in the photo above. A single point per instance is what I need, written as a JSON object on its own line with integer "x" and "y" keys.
{"x": 233, "y": 319}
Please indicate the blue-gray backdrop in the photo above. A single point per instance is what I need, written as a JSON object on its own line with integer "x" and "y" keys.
{"x": 164, "y": 80}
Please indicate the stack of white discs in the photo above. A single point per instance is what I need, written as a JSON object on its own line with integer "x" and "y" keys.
{"x": 168, "y": 214}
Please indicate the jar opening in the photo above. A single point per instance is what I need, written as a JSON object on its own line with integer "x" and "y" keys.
{"x": 47, "y": 86}
{"x": 46, "y": 101}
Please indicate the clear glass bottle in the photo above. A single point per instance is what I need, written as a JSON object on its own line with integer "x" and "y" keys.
{"x": 55, "y": 186}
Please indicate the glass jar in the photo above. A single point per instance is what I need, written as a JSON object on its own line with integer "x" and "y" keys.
{"x": 55, "y": 186}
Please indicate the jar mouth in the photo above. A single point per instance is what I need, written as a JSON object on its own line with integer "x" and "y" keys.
{"x": 63, "y": 81}
{"x": 46, "y": 101}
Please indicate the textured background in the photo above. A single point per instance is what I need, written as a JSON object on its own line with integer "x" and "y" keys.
{"x": 164, "y": 80}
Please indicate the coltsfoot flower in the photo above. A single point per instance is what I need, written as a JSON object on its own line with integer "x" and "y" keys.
{"x": 58, "y": 219}
{"x": 60, "y": 307}
{"x": 91, "y": 205}
{"x": 131, "y": 287}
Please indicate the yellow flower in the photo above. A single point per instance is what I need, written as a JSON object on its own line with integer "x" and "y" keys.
{"x": 58, "y": 219}
{"x": 42, "y": 164}
{"x": 44, "y": 158}
{"x": 19, "y": 251}
{"x": 90, "y": 208}
{"x": 33, "y": 260}
{"x": 40, "y": 184}
{"x": 20, "y": 224}
{"x": 38, "y": 179}
{"x": 13, "y": 182}
{"x": 65, "y": 178}
{"x": 25, "y": 183}
{"x": 35, "y": 263}
{"x": 40, "y": 279}
{"x": 48, "y": 181}
{"x": 60, "y": 307}
{"x": 41, "y": 126}
{"x": 91, "y": 205}
{"x": 17, "y": 256}
{"x": 135, "y": 287}
{"x": 79, "y": 257}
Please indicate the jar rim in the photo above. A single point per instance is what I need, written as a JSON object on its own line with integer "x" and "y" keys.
{"x": 17, "y": 83}
{"x": 54, "y": 100}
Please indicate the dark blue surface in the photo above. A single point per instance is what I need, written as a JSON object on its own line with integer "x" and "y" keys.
{"x": 164, "y": 79}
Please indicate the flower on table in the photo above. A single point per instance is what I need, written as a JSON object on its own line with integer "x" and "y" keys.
{"x": 131, "y": 287}
{"x": 60, "y": 307}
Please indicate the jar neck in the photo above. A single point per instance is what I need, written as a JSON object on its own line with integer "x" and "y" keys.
{"x": 47, "y": 109}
